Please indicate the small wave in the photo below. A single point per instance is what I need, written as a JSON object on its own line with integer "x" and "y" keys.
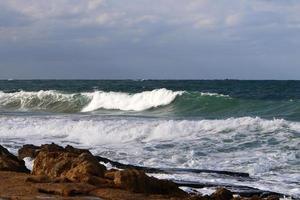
{"x": 131, "y": 102}
{"x": 213, "y": 94}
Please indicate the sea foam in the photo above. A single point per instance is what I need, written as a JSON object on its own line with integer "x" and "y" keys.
{"x": 267, "y": 149}
{"x": 55, "y": 101}
{"x": 130, "y": 102}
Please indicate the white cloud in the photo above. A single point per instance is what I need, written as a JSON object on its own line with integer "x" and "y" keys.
{"x": 112, "y": 18}
{"x": 43, "y": 9}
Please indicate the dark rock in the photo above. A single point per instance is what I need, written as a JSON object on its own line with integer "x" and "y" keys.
{"x": 222, "y": 194}
{"x": 51, "y": 148}
{"x": 137, "y": 181}
{"x": 28, "y": 150}
{"x": 71, "y": 149}
{"x": 9, "y": 162}
{"x": 255, "y": 197}
{"x": 273, "y": 197}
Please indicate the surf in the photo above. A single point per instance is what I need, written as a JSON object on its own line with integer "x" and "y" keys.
{"x": 131, "y": 102}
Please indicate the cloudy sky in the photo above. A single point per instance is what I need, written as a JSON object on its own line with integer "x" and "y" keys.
{"x": 173, "y": 39}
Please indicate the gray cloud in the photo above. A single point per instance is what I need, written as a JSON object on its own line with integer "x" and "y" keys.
{"x": 256, "y": 39}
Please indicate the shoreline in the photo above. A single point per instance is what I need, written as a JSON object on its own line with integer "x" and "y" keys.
{"x": 68, "y": 172}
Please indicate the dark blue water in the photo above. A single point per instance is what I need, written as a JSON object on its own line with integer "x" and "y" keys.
{"x": 268, "y": 90}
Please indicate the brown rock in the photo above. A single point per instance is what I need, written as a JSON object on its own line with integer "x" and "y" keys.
{"x": 222, "y": 194}
{"x": 273, "y": 197}
{"x": 9, "y": 162}
{"x": 98, "y": 181}
{"x": 110, "y": 174}
{"x": 119, "y": 194}
{"x": 51, "y": 148}
{"x": 45, "y": 179}
{"x": 255, "y": 197}
{"x": 71, "y": 149}
{"x": 67, "y": 189}
{"x": 38, "y": 179}
{"x": 137, "y": 181}
{"x": 72, "y": 166}
{"x": 28, "y": 150}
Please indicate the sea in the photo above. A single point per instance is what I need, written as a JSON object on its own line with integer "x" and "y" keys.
{"x": 233, "y": 125}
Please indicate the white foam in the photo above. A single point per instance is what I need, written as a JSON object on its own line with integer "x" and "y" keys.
{"x": 29, "y": 163}
{"x": 40, "y": 99}
{"x": 130, "y": 102}
{"x": 267, "y": 149}
{"x": 52, "y": 100}
{"x": 213, "y": 94}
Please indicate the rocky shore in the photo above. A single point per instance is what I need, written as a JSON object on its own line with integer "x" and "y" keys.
{"x": 71, "y": 173}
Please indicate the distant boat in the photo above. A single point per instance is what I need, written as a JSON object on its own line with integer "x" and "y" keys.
{"x": 10, "y": 79}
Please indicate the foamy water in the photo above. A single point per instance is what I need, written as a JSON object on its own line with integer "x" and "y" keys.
{"x": 135, "y": 102}
{"x": 267, "y": 149}
{"x": 244, "y": 126}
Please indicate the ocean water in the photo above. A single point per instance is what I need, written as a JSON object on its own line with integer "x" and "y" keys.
{"x": 244, "y": 126}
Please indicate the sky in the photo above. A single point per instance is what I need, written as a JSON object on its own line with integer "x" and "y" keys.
{"x": 148, "y": 39}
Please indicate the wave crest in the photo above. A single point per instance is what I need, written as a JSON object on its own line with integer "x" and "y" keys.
{"x": 55, "y": 101}
{"x": 131, "y": 102}
{"x": 49, "y": 100}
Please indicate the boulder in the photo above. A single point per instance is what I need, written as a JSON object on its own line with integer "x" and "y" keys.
{"x": 222, "y": 194}
{"x": 9, "y": 162}
{"x": 51, "y": 147}
{"x": 137, "y": 181}
{"x": 28, "y": 150}
{"x": 60, "y": 164}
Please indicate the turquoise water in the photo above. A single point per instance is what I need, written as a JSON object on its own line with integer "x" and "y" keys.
{"x": 206, "y": 99}
{"x": 246, "y": 126}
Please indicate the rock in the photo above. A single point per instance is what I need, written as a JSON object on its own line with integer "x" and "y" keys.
{"x": 117, "y": 194}
{"x": 71, "y": 149}
{"x": 60, "y": 164}
{"x": 67, "y": 189}
{"x": 222, "y": 194}
{"x": 9, "y": 162}
{"x": 51, "y": 148}
{"x": 273, "y": 197}
{"x": 137, "y": 181}
{"x": 98, "y": 181}
{"x": 28, "y": 150}
{"x": 45, "y": 179}
{"x": 38, "y": 179}
{"x": 255, "y": 197}
{"x": 110, "y": 174}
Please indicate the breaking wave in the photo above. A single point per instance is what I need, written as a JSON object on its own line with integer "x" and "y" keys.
{"x": 158, "y": 102}
{"x": 55, "y": 101}
{"x": 131, "y": 102}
